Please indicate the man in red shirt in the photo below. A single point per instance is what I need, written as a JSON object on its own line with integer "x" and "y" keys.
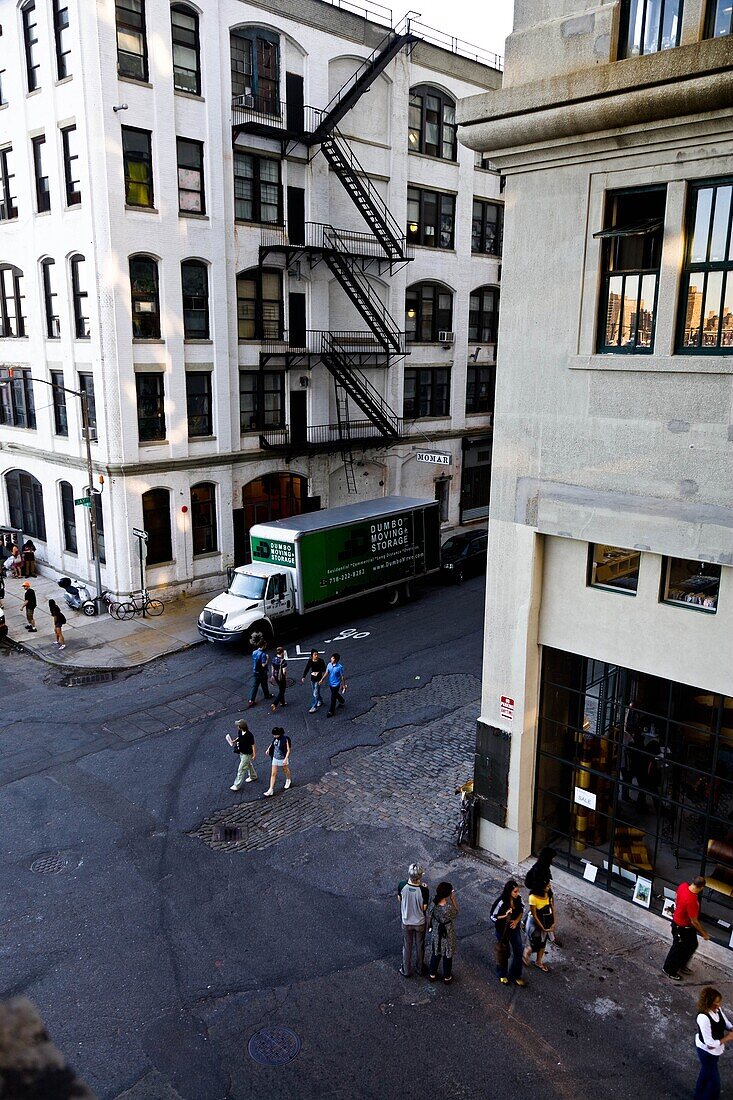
{"x": 685, "y": 927}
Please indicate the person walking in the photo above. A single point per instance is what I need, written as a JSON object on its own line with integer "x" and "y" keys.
{"x": 441, "y": 915}
{"x": 539, "y": 878}
{"x": 714, "y": 1030}
{"x": 413, "y": 896}
{"x": 685, "y": 929}
{"x": 245, "y": 746}
{"x": 279, "y": 676}
{"x": 317, "y": 668}
{"x": 260, "y": 661}
{"x": 540, "y": 924}
{"x": 336, "y": 677}
{"x": 59, "y": 622}
{"x": 506, "y": 916}
{"x": 30, "y": 603}
{"x": 279, "y": 752}
{"x": 29, "y": 559}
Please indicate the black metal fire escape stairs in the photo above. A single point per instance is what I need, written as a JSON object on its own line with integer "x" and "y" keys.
{"x": 343, "y": 353}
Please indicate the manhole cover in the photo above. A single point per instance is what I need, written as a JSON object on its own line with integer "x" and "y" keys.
{"x": 89, "y": 678}
{"x": 273, "y": 1046}
{"x": 50, "y": 865}
{"x": 227, "y": 834}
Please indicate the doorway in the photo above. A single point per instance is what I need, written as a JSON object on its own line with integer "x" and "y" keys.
{"x": 298, "y": 416}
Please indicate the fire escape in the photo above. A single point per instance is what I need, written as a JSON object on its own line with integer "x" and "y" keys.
{"x": 348, "y": 255}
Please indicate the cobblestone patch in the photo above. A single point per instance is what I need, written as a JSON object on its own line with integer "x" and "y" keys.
{"x": 408, "y": 782}
{"x": 449, "y": 692}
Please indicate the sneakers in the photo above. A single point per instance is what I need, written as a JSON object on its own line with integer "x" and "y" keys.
{"x": 235, "y": 788}
{"x": 403, "y": 973}
{"x": 674, "y": 977}
{"x": 504, "y": 981}
{"x": 273, "y": 707}
{"x": 320, "y": 704}
{"x": 685, "y": 970}
{"x": 63, "y": 645}
{"x": 520, "y": 982}
{"x": 329, "y": 715}
{"x": 249, "y": 779}
{"x": 251, "y": 703}
{"x": 313, "y": 710}
{"x": 288, "y": 784}
{"x": 268, "y": 793}
{"x": 33, "y": 629}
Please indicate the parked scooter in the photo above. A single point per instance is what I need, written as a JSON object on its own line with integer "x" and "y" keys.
{"x": 78, "y": 596}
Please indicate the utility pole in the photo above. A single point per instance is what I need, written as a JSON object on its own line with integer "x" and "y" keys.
{"x": 92, "y": 496}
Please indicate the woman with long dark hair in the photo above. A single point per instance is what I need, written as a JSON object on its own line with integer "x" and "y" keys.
{"x": 441, "y": 915}
{"x": 714, "y": 1030}
{"x": 506, "y": 916}
{"x": 59, "y": 622}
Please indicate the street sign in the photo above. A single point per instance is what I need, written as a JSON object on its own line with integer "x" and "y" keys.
{"x": 85, "y": 501}
{"x": 435, "y": 458}
{"x": 140, "y": 534}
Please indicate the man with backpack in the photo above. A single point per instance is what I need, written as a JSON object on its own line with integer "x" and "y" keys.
{"x": 414, "y": 897}
{"x": 260, "y": 661}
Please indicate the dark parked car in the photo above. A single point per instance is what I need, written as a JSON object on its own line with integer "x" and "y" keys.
{"x": 464, "y": 555}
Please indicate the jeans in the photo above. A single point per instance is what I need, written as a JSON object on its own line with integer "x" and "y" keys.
{"x": 336, "y": 697}
{"x": 684, "y": 946}
{"x": 259, "y": 680}
{"x": 708, "y": 1081}
{"x": 513, "y": 940}
{"x": 413, "y": 937}
{"x": 316, "y": 687}
{"x": 447, "y": 966}
{"x": 281, "y": 684}
{"x": 245, "y": 766}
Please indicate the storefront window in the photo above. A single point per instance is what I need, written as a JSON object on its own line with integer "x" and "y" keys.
{"x": 613, "y": 567}
{"x": 635, "y": 781}
{"x": 692, "y": 583}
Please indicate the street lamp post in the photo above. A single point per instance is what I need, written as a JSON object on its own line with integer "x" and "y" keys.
{"x": 82, "y": 395}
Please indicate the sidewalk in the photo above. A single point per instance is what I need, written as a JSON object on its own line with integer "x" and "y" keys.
{"x": 100, "y": 642}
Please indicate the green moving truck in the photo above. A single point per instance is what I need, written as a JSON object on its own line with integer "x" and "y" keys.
{"x": 313, "y": 560}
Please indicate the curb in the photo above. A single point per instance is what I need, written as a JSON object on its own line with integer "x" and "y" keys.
{"x": 69, "y": 668}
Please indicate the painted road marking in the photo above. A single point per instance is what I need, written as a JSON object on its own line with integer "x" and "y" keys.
{"x": 349, "y": 633}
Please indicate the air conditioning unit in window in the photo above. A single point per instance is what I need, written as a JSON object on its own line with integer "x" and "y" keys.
{"x": 248, "y": 101}
{"x": 446, "y": 337}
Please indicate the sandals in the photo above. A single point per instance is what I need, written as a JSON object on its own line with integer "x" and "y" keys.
{"x": 543, "y": 968}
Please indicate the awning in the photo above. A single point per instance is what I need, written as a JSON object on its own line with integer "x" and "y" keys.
{"x": 633, "y": 229}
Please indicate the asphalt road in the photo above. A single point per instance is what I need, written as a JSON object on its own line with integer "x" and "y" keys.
{"x": 153, "y": 957}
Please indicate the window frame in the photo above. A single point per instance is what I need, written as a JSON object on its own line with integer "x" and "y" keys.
{"x": 259, "y": 418}
{"x": 151, "y": 425}
{"x": 205, "y": 398}
{"x": 132, "y": 23}
{"x": 72, "y": 186}
{"x": 190, "y": 13}
{"x": 424, "y": 196}
{"x": 257, "y": 186}
{"x": 62, "y": 35}
{"x": 437, "y": 389}
{"x": 711, "y": 18}
{"x": 183, "y": 191}
{"x": 476, "y": 401}
{"x": 201, "y": 508}
{"x": 86, "y": 384}
{"x": 68, "y": 517}
{"x": 30, "y": 44}
{"x": 263, "y": 328}
{"x": 17, "y": 402}
{"x": 498, "y": 235}
{"x": 31, "y": 521}
{"x": 591, "y": 581}
{"x": 8, "y": 205}
{"x": 267, "y": 103}
{"x": 144, "y": 318}
{"x": 204, "y": 333}
{"x": 82, "y": 326}
{"x": 666, "y": 583}
{"x": 12, "y": 324}
{"x": 132, "y": 156}
{"x": 423, "y": 92}
{"x": 626, "y": 49}
{"x": 58, "y": 399}
{"x": 706, "y": 268}
{"x": 156, "y": 503}
{"x": 486, "y": 319}
{"x": 418, "y": 292}
{"x": 53, "y": 320}
{"x": 43, "y": 189}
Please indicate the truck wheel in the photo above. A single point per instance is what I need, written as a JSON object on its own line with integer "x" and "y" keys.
{"x": 264, "y": 629}
{"x": 393, "y": 597}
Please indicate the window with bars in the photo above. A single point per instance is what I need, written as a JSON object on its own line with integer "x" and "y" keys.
{"x": 487, "y": 227}
{"x": 706, "y": 300}
{"x": 630, "y": 260}
{"x": 12, "y": 303}
{"x": 428, "y": 312}
{"x": 195, "y": 290}
{"x": 198, "y": 403}
{"x": 62, "y": 38}
{"x": 480, "y": 388}
{"x": 43, "y": 193}
{"x": 69, "y": 141}
{"x": 718, "y": 18}
{"x": 30, "y": 41}
{"x": 144, "y": 300}
{"x": 68, "y": 516}
{"x": 186, "y": 49}
{"x": 432, "y": 123}
{"x": 426, "y": 393}
{"x": 203, "y": 518}
{"x": 150, "y": 388}
{"x": 430, "y": 218}
{"x": 132, "y": 50}
{"x": 86, "y": 385}
{"x": 80, "y": 297}
{"x": 25, "y": 504}
{"x": 137, "y": 158}
{"x": 17, "y": 407}
{"x": 51, "y": 309}
{"x": 157, "y": 523}
{"x": 257, "y": 189}
{"x": 60, "y": 417}
{"x": 483, "y": 314}
{"x": 261, "y": 400}
{"x": 8, "y": 202}
{"x": 648, "y": 26}
{"x": 260, "y": 305}
{"x": 191, "y": 197}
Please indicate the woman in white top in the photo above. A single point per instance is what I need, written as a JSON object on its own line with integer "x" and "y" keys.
{"x": 714, "y": 1030}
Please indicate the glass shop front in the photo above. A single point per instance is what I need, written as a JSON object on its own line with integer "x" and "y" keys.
{"x": 634, "y": 783}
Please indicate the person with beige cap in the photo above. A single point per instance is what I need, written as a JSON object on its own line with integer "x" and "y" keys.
{"x": 245, "y": 746}
{"x": 29, "y": 606}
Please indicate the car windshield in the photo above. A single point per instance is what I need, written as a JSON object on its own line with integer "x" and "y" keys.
{"x": 247, "y": 586}
{"x": 453, "y": 544}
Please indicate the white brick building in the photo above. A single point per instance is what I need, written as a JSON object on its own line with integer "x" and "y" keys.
{"x": 219, "y": 401}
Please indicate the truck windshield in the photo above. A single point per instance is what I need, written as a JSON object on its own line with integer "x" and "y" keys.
{"x": 247, "y": 586}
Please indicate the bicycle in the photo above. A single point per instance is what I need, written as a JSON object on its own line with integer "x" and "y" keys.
{"x": 114, "y": 606}
{"x": 140, "y": 603}
{"x": 462, "y": 830}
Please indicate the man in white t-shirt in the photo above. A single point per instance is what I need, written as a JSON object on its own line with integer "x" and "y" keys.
{"x": 414, "y": 897}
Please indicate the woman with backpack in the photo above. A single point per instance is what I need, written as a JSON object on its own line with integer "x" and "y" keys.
{"x": 714, "y": 1030}
{"x": 279, "y": 677}
{"x": 279, "y": 753}
{"x": 506, "y": 916}
{"x": 540, "y": 924}
{"x": 59, "y": 622}
{"x": 441, "y": 933}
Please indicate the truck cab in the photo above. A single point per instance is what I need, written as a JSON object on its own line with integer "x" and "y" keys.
{"x": 255, "y": 596}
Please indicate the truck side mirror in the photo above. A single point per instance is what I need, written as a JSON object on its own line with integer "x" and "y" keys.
{"x": 230, "y": 577}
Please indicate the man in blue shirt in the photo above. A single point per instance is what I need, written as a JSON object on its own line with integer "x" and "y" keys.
{"x": 260, "y": 661}
{"x": 336, "y": 681}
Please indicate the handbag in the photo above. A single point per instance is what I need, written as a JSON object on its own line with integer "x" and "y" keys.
{"x": 501, "y": 950}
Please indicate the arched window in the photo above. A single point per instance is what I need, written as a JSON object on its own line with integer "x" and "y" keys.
{"x": 145, "y": 304}
{"x": 51, "y": 309}
{"x": 68, "y": 516}
{"x": 12, "y": 318}
{"x": 80, "y": 296}
{"x": 428, "y": 312}
{"x": 483, "y": 314}
{"x": 203, "y": 518}
{"x": 195, "y": 288}
{"x": 25, "y": 504}
{"x": 432, "y": 123}
{"x": 157, "y": 522}
{"x": 255, "y": 65}
{"x": 186, "y": 50}
{"x": 30, "y": 39}
{"x": 260, "y": 304}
